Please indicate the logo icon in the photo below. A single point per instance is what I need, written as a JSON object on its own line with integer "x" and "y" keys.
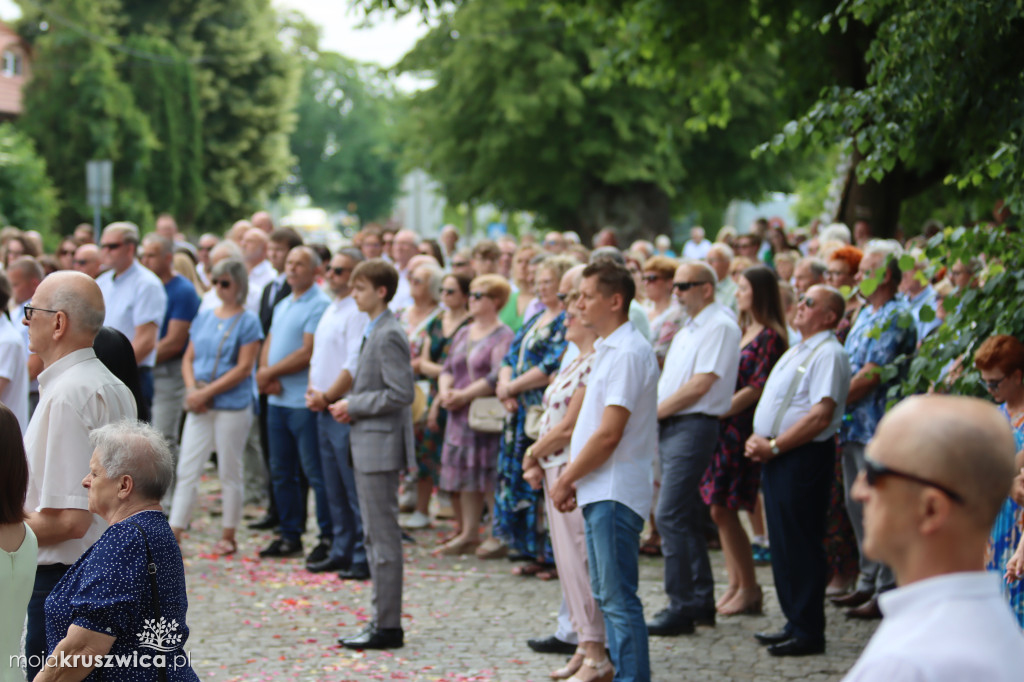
{"x": 160, "y": 634}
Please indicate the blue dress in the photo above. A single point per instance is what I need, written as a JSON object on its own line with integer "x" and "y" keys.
{"x": 108, "y": 590}
{"x": 518, "y": 508}
{"x": 1006, "y": 532}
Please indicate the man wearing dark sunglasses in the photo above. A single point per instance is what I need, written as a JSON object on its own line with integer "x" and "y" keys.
{"x": 936, "y": 473}
{"x": 795, "y": 423}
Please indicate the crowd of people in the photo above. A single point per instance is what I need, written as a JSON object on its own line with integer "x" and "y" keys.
{"x": 571, "y": 408}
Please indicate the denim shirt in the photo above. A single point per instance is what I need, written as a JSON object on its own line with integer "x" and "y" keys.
{"x": 894, "y": 340}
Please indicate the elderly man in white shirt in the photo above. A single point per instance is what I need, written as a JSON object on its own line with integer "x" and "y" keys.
{"x": 611, "y": 459}
{"x": 336, "y": 343}
{"x": 77, "y": 394}
{"x": 135, "y": 298}
{"x": 255, "y": 244}
{"x": 695, "y": 389}
{"x": 795, "y": 424}
{"x": 935, "y": 475}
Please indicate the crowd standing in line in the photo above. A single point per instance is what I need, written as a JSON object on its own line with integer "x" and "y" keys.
{"x": 558, "y": 399}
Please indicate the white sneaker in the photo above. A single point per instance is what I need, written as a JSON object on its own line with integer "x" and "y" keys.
{"x": 416, "y": 521}
{"x": 407, "y": 499}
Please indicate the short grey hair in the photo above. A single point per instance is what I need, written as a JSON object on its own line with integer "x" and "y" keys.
{"x": 314, "y": 258}
{"x": 709, "y": 272}
{"x": 352, "y": 253}
{"x": 128, "y": 231}
{"x": 723, "y": 250}
{"x": 87, "y": 318}
{"x": 435, "y": 279}
{"x": 891, "y": 251}
{"x": 229, "y": 247}
{"x": 166, "y": 245}
{"x": 836, "y": 232}
{"x": 133, "y": 448}
{"x": 817, "y": 266}
{"x": 236, "y": 270}
{"x": 609, "y": 253}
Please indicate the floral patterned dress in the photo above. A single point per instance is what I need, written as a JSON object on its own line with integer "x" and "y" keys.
{"x": 1007, "y": 531}
{"x": 732, "y": 480}
{"x": 428, "y": 441}
{"x": 518, "y": 508}
{"x": 468, "y": 457}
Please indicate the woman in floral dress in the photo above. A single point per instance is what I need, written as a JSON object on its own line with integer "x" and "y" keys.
{"x": 731, "y": 481}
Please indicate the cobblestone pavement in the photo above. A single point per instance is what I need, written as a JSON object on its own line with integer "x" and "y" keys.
{"x": 464, "y": 619}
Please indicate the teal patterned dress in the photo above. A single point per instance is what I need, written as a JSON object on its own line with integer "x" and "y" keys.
{"x": 1007, "y": 531}
{"x": 518, "y": 508}
{"x": 428, "y": 441}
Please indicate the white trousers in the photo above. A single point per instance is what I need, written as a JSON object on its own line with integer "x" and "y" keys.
{"x": 223, "y": 431}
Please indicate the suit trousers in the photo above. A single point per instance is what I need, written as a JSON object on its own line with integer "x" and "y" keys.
{"x": 340, "y": 484}
{"x": 874, "y": 576}
{"x": 378, "y": 504}
{"x": 796, "y": 488}
{"x": 569, "y": 543}
{"x": 685, "y": 445}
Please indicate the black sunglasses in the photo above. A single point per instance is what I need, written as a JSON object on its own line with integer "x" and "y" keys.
{"x": 222, "y": 283}
{"x": 477, "y": 295}
{"x": 807, "y": 301}
{"x": 450, "y": 292}
{"x": 875, "y": 470}
{"x": 67, "y": 252}
{"x": 686, "y": 286}
{"x": 339, "y": 271}
{"x": 29, "y": 309}
{"x": 459, "y": 264}
{"x": 650, "y": 279}
{"x": 111, "y": 247}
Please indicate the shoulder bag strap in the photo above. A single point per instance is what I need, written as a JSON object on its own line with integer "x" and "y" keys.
{"x": 151, "y": 572}
{"x": 795, "y": 383}
{"x": 220, "y": 346}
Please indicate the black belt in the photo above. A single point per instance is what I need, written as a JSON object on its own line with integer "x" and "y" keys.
{"x": 687, "y": 416}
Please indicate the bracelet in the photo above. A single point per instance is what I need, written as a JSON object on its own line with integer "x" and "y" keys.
{"x": 528, "y": 454}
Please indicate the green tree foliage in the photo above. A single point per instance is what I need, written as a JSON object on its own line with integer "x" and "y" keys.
{"x": 27, "y": 197}
{"x": 247, "y": 86}
{"x": 343, "y": 143}
{"x": 519, "y": 117}
{"x": 165, "y": 90}
{"x": 78, "y": 108}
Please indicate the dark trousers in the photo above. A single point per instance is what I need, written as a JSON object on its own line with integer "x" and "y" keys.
{"x": 796, "y": 488}
{"x": 685, "y": 445}
{"x": 261, "y": 420}
{"x": 47, "y": 577}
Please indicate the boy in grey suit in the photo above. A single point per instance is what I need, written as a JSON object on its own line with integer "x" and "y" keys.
{"x": 379, "y": 408}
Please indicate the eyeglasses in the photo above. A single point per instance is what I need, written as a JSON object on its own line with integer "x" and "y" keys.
{"x": 686, "y": 286}
{"x": 67, "y": 252}
{"x": 829, "y": 274}
{"x": 29, "y": 310}
{"x": 205, "y": 248}
{"x": 222, "y": 283}
{"x": 449, "y": 292}
{"x": 992, "y": 384}
{"x": 875, "y": 470}
{"x": 415, "y": 280}
{"x": 651, "y": 279}
{"x": 561, "y": 296}
{"x": 460, "y": 264}
{"x": 552, "y": 242}
{"x": 807, "y": 301}
{"x": 338, "y": 271}
{"x": 477, "y": 295}
{"x": 111, "y": 247}
{"x": 80, "y": 262}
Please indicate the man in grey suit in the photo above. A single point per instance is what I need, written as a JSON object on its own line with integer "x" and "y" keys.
{"x": 378, "y": 406}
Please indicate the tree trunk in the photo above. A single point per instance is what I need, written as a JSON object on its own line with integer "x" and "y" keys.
{"x": 635, "y": 211}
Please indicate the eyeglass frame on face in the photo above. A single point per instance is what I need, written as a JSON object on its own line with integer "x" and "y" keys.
{"x": 30, "y": 310}
{"x": 874, "y": 470}
{"x": 222, "y": 283}
{"x": 477, "y": 295}
{"x": 992, "y": 384}
{"x": 460, "y": 264}
{"x": 807, "y": 301}
{"x": 686, "y": 286}
{"x": 652, "y": 278}
{"x": 66, "y": 252}
{"x": 112, "y": 247}
{"x": 338, "y": 271}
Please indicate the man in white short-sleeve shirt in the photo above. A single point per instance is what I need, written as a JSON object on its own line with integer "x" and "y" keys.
{"x": 794, "y": 427}
{"x": 694, "y": 391}
{"x": 135, "y": 298}
{"x": 77, "y": 394}
{"x": 936, "y": 473}
{"x": 336, "y": 343}
{"x": 610, "y": 474}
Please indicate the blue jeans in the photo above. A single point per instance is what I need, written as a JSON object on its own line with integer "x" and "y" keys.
{"x": 293, "y": 439}
{"x": 613, "y": 548}
{"x": 47, "y": 577}
{"x": 340, "y": 483}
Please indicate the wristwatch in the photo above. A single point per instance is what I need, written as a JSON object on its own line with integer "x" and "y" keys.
{"x": 774, "y": 446}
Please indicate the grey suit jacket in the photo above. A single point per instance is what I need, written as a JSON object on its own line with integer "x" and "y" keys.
{"x": 380, "y": 401}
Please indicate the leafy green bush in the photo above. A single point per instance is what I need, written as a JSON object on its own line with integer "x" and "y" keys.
{"x": 27, "y": 196}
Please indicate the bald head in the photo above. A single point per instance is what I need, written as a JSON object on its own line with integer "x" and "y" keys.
{"x": 571, "y": 279}
{"x": 87, "y": 260}
{"x": 79, "y": 297}
{"x": 238, "y": 230}
{"x": 963, "y": 443}
{"x": 263, "y": 221}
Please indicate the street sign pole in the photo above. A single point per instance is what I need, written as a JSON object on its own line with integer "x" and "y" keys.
{"x": 99, "y": 183}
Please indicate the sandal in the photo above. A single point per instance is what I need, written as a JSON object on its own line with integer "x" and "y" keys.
{"x": 528, "y": 570}
{"x": 752, "y": 605}
{"x": 548, "y": 574}
{"x": 456, "y": 547}
{"x": 571, "y": 666}
{"x": 605, "y": 671}
{"x": 492, "y": 548}
{"x": 224, "y": 547}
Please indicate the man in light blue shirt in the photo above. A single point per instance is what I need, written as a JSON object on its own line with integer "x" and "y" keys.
{"x": 284, "y": 376}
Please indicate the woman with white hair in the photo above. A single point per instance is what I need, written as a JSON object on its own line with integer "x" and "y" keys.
{"x": 425, "y": 288}
{"x": 217, "y": 370}
{"x": 126, "y": 595}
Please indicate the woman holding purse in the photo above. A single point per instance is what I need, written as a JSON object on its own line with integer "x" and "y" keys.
{"x": 217, "y": 368}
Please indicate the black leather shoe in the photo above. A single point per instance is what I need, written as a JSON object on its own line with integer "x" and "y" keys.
{"x": 705, "y": 617}
{"x": 773, "y": 637}
{"x": 373, "y": 638}
{"x": 796, "y": 646}
{"x": 327, "y": 564}
{"x": 668, "y": 624}
{"x": 551, "y": 645}
{"x": 266, "y": 522}
{"x": 320, "y": 553}
{"x": 282, "y": 548}
{"x": 356, "y": 572}
{"x": 867, "y": 611}
{"x": 853, "y": 599}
